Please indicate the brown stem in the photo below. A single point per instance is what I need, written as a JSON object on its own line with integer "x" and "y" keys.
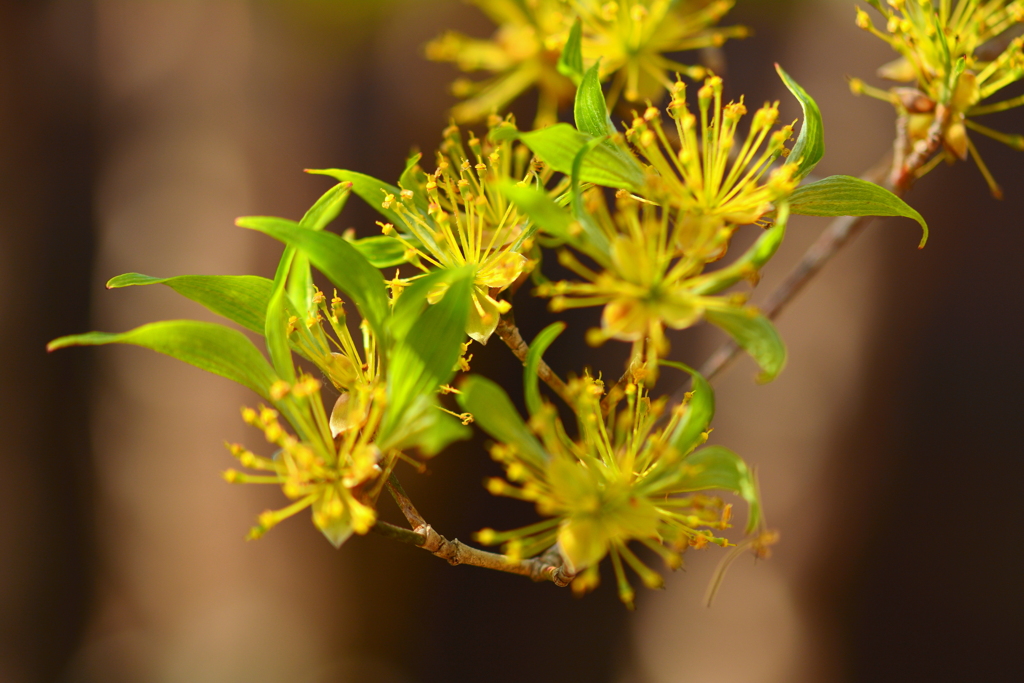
{"x": 904, "y": 174}
{"x": 412, "y": 515}
{"x": 509, "y": 333}
{"x": 455, "y": 552}
{"x": 547, "y": 567}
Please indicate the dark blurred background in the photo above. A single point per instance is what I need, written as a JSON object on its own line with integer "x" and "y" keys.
{"x": 133, "y": 133}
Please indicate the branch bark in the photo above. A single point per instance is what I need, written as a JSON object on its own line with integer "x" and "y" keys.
{"x": 546, "y": 567}
{"x": 509, "y": 333}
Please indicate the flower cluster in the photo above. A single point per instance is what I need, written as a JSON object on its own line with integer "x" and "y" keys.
{"x": 334, "y": 466}
{"x": 952, "y": 53}
{"x": 698, "y": 191}
{"x": 621, "y": 480}
{"x": 457, "y": 216}
{"x": 630, "y": 37}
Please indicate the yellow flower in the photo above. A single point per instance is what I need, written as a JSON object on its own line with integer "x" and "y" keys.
{"x": 614, "y": 485}
{"x": 337, "y": 478}
{"x": 947, "y": 53}
{"x": 714, "y": 182}
{"x": 699, "y": 192}
{"x": 630, "y": 36}
{"x": 457, "y": 216}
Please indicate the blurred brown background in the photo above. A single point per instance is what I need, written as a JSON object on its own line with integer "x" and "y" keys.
{"x": 132, "y": 133}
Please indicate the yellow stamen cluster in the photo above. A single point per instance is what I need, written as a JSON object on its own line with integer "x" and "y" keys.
{"x": 333, "y": 466}
{"x": 644, "y": 287}
{"x": 950, "y": 50}
{"x": 631, "y": 38}
{"x": 714, "y": 181}
{"x": 457, "y": 216}
{"x": 336, "y": 354}
{"x": 332, "y": 476}
{"x": 620, "y": 481}
{"x": 700, "y": 191}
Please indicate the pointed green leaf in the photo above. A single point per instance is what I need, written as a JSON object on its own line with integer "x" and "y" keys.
{"x": 426, "y": 358}
{"x": 426, "y": 427}
{"x": 492, "y": 409}
{"x": 542, "y": 210}
{"x": 409, "y": 307}
{"x": 327, "y": 208}
{"x": 715, "y": 467}
{"x": 443, "y": 431}
{"x": 240, "y": 298}
{"x": 408, "y": 180}
{"x": 367, "y": 188}
{"x": 338, "y": 260}
{"x": 530, "y": 380}
{"x": 754, "y": 333}
{"x": 590, "y": 108}
{"x": 843, "y": 195}
{"x": 700, "y": 408}
{"x": 810, "y": 144}
{"x": 570, "y": 62}
{"x": 594, "y": 235}
{"x": 558, "y": 146}
{"x": 208, "y": 346}
{"x": 299, "y": 287}
{"x": 275, "y": 331}
{"x": 381, "y": 251}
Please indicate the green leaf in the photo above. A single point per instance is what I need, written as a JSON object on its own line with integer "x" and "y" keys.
{"x": 810, "y": 144}
{"x": 240, "y": 298}
{"x": 595, "y": 236}
{"x": 492, "y": 409}
{"x": 381, "y": 251}
{"x": 750, "y": 263}
{"x": 327, "y": 208}
{"x": 367, "y": 188}
{"x": 558, "y": 146}
{"x": 754, "y": 333}
{"x": 530, "y": 380}
{"x": 412, "y": 303}
{"x": 843, "y": 195}
{"x": 298, "y": 278}
{"x": 208, "y": 346}
{"x": 444, "y": 430}
{"x": 590, "y": 108}
{"x": 408, "y": 180}
{"x": 425, "y": 357}
{"x": 715, "y": 467}
{"x": 275, "y": 331}
{"x": 299, "y": 285}
{"x": 338, "y": 260}
{"x": 426, "y": 427}
{"x": 541, "y": 209}
{"x": 689, "y": 432}
{"x": 570, "y": 62}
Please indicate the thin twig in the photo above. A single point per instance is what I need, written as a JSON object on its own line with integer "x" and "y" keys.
{"x": 546, "y": 567}
{"x": 397, "y": 533}
{"x": 904, "y": 174}
{"x": 414, "y": 518}
{"x": 509, "y": 333}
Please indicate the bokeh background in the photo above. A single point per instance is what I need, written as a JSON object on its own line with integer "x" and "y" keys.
{"x": 133, "y": 132}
